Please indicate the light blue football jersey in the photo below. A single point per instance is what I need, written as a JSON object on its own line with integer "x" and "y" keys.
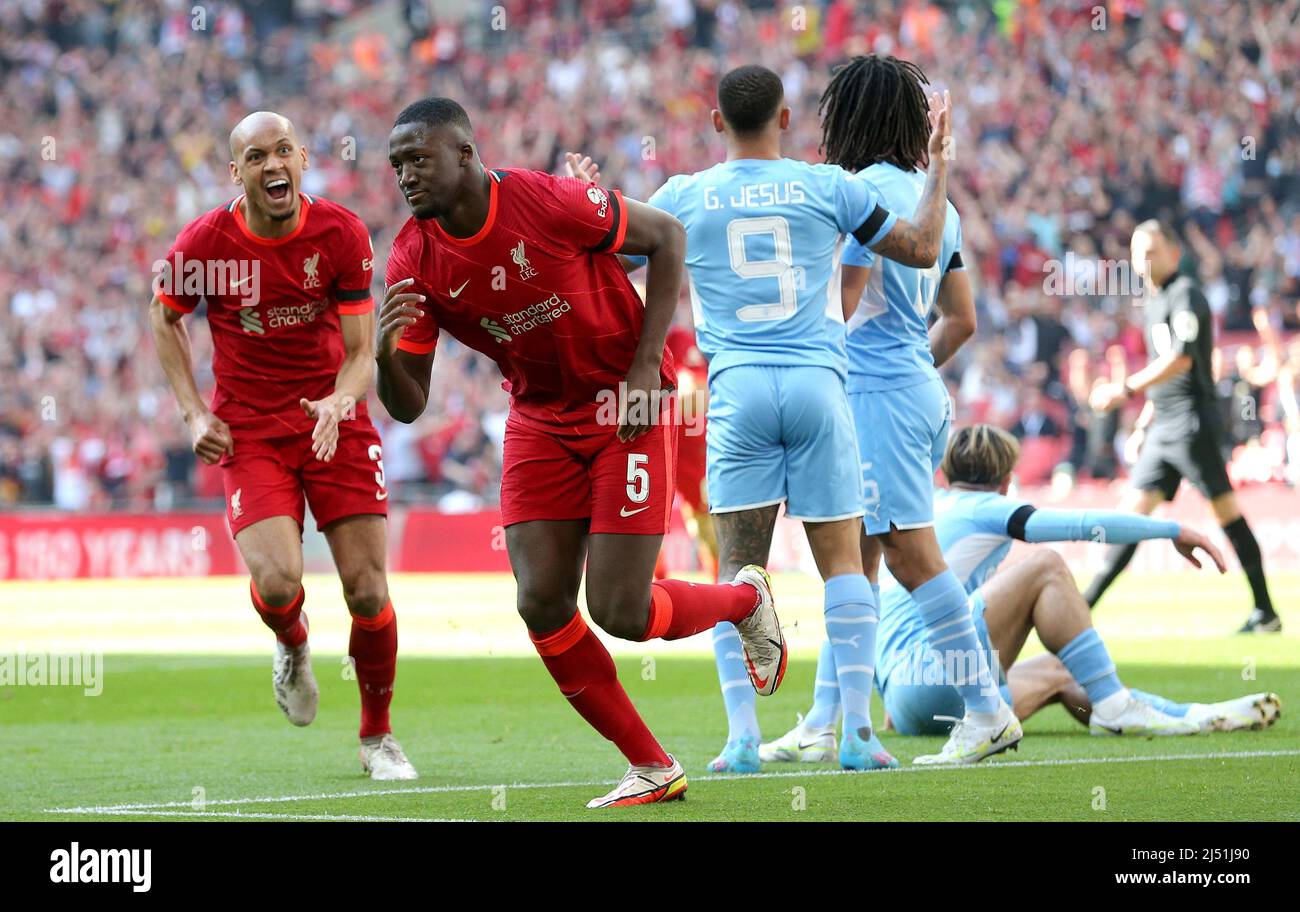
{"x": 972, "y": 530}
{"x": 888, "y": 335}
{"x": 763, "y": 243}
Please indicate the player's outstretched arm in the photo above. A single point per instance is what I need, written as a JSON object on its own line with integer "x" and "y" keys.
{"x": 917, "y": 243}
{"x": 210, "y": 437}
{"x": 403, "y": 376}
{"x": 1112, "y": 528}
{"x": 956, "y": 323}
{"x": 350, "y": 386}
{"x": 659, "y": 237}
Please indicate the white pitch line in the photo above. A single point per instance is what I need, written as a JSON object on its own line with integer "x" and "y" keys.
{"x": 263, "y": 815}
{"x": 739, "y": 777}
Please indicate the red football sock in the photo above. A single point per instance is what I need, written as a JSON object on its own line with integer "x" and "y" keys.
{"x": 585, "y": 672}
{"x": 285, "y": 620}
{"x": 681, "y": 609}
{"x": 373, "y": 648}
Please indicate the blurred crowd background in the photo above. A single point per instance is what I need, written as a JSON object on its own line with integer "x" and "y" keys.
{"x": 1074, "y": 121}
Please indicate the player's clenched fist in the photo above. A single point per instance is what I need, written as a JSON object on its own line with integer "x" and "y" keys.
{"x": 396, "y": 313}
{"x": 210, "y": 437}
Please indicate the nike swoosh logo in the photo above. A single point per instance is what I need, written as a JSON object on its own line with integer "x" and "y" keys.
{"x": 625, "y": 512}
{"x": 803, "y": 746}
{"x": 243, "y": 282}
{"x": 456, "y": 293}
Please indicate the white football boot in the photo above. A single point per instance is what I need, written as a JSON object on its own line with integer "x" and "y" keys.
{"x": 760, "y": 634}
{"x": 1253, "y": 712}
{"x": 801, "y": 744}
{"x": 645, "y": 785}
{"x": 383, "y": 759}
{"x": 1138, "y": 717}
{"x": 970, "y": 742}
{"x": 293, "y": 683}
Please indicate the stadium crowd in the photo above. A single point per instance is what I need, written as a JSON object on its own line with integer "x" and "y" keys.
{"x": 1075, "y": 121}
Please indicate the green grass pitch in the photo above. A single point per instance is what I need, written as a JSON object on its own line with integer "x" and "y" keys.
{"x": 192, "y": 733}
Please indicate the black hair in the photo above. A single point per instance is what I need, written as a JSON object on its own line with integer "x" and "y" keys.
{"x": 749, "y": 97}
{"x": 435, "y": 112}
{"x": 874, "y": 110}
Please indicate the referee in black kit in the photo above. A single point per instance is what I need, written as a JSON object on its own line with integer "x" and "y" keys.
{"x": 1180, "y": 421}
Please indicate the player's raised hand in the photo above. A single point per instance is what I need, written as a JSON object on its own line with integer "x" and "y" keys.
{"x": 397, "y": 312}
{"x": 940, "y": 127}
{"x": 328, "y": 412}
{"x": 638, "y": 404}
{"x": 210, "y": 437}
{"x": 581, "y": 167}
{"x": 1189, "y": 540}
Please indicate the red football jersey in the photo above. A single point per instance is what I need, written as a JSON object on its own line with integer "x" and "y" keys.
{"x": 273, "y": 306}
{"x": 538, "y": 290}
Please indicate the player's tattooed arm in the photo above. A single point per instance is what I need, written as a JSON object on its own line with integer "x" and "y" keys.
{"x": 917, "y": 243}
{"x": 350, "y": 386}
{"x": 403, "y": 376}
{"x": 956, "y": 323}
{"x": 658, "y": 236}
{"x": 210, "y": 437}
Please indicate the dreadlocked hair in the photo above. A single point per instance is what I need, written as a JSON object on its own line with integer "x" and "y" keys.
{"x": 874, "y": 110}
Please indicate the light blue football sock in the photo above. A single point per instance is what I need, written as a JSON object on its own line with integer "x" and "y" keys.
{"x": 1165, "y": 705}
{"x": 950, "y": 631}
{"x": 826, "y": 691}
{"x": 851, "y": 619}
{"x": 1089, "y": 663}
{"x": 738, "y": 694}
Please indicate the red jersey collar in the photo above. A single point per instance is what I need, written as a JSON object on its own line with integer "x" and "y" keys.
{"x": 237, "y": 211}
{"x": 494, "y": 180}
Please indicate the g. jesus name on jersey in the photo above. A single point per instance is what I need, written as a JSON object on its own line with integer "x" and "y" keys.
{"x": 537, "y": 289}
{"x": 273, "y": 306}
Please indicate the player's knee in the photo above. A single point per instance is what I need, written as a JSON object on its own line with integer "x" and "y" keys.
{"x": 277, "y": 586}
{"x": 1049, "y": 564}
{"x": 543, "y": 611}
{"x": 618, "y": 615}
{"x": 366, "y": 597}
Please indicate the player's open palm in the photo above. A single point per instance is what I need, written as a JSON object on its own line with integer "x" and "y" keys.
{"x": 397, "y": 312}
{"x": 940, "y": 126}
{"x": 328, "y": 412}
{"x": 581, "y": 167}
{"x": 1189, "y": 540}
{"x": 210, "y": 438}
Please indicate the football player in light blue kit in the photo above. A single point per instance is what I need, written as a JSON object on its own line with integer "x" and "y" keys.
{"x": 764, "y": 235}
{"x": 976, "y": 525}
{"x": 875, "y": 123}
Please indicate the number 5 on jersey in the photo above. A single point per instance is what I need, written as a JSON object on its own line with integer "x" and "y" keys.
{"x": 638, "y": 483}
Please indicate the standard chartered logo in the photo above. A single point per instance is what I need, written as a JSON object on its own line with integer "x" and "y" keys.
{"x": 495, "y": 328}
{"x": 251, "y": 320}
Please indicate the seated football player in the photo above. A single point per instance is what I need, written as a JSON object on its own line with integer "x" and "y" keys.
{"x": 977, "y": 522}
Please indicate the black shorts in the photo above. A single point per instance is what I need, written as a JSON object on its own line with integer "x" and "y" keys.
{"x": 1166, "y": 460}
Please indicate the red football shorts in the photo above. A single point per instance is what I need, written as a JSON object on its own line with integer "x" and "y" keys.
{"x": 621, "y": 487}
{"x": 271, "y": 476}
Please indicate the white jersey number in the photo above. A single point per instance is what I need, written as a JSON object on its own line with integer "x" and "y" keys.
{"x": 780, "y": 267}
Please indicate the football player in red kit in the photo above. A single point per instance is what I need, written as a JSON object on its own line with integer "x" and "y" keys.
{"x": 286, "y": 279}
{"x": 693, "y": 390}
{"x": 521, "y": 265}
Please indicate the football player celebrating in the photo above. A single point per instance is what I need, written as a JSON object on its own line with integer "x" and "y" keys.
{"x": 286, "y": 280}
{"x": 522, "y": 266}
